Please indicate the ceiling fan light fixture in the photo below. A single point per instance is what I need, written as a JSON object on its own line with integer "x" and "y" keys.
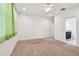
{"x": 47, "y": 9}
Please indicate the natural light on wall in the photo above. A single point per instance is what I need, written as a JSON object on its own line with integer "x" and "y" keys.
{"x": 7, "y": 23}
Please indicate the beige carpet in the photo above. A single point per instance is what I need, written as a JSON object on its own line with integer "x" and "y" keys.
{"x": 44, "y": 47}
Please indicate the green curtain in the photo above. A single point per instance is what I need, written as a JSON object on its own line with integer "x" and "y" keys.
{"x": 14, "y": 19}
{"x": 2, "y": 23}
{"x": 7, "y": 22}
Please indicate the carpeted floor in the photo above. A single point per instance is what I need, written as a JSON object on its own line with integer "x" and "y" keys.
{"x": 44, "y": 47}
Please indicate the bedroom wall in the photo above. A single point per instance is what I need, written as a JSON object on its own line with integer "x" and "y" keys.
{"x": 29, "y": 27}
{"x": 59, "y": 27}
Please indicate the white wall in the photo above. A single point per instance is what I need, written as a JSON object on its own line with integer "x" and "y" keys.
{"x": 51, "y": 27}
{"x": 59, "y": 27}
{"x": 29, "y": 27}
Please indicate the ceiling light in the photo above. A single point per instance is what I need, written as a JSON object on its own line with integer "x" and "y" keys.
{"x": 47, "y": 9}
{"x": 24, "y": 9}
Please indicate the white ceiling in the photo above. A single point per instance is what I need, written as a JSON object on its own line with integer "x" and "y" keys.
{"x": 36, "y": 8}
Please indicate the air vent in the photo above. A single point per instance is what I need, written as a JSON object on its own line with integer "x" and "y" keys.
{"x": 62, "y": 9}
